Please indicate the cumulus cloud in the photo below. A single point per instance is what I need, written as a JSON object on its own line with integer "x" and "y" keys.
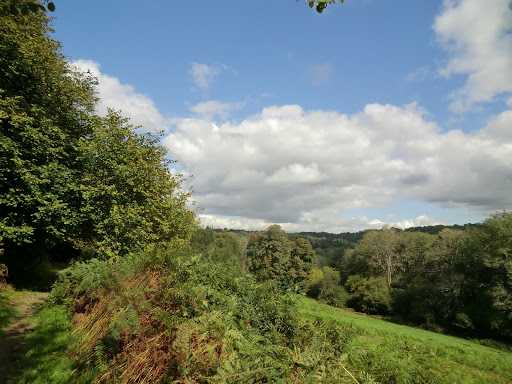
{"x": 476, "y": 35}
{"x": 304, "y": 169}
{"x": 213, "y": 108}
{"x": 203, "y": 75}
{"x": 112, "y": 94}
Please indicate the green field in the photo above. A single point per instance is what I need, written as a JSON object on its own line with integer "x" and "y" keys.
{"x": 380, "y": 351}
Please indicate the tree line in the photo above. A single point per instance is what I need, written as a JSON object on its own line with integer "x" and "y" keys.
{"x": 457, "y": 280}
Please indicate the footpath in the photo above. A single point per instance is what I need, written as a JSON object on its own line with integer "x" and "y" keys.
{"x": 11, "y": 341}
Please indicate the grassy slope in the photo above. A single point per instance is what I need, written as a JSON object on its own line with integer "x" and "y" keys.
{"x": 395, "y": 353}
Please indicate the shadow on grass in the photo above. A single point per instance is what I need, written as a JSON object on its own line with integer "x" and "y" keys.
{"x": 39, "y": 277}
{"x": 7, "y": 310}
{"x": 45, "y": 351}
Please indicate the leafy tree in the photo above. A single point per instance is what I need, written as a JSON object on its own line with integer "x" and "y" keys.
{"x": 203, "y": 240}
{"x": 493, "y": 245}
{"x": 131, "y": 200}
{"x": 229, "y": 247}
{"x": 320, "y": 5}
{"x": 302, "y": 260}
{"x": 383, "y": 251}
{"x": 268, "y": 253}
{"x": 45, "y": 109}
{"x": 69, "y": 178}
{"x": 271, "y": 255}
{"x": 446, "y": 267}
{"x": 324, "y": 284}
{"x": 20, "y": 7}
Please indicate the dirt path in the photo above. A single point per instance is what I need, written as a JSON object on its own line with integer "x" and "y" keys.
{"x": 12, "y": 338}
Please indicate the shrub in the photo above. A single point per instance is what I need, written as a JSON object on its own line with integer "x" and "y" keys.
{"x": 369, "y": 295}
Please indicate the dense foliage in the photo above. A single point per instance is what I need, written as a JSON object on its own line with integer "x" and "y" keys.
{"x": 271, "y": 255}
{"x": 459, "y": 281}
{"x": 45, "y": 109}
{"x": 68, "y": 178}
{"x": 181, "y": 316}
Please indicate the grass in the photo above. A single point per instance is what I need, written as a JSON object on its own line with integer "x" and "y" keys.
{"x": 392, "y": 353}
{"x": 44, "y": 351}
{"x": 45, "y": 357}
{"x": 7, "y": 311}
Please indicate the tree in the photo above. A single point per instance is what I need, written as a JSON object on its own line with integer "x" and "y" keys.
{"x": 271, "y": 255}
{"x": 302, "y": 260}
{"x": 70, "y": 179}
{"x": 369, "y": 295}
{"x": 229, "y": 248}
{"x": 324, "y": 284}
{"x": 203, "y": 240}
{"x": 268, "y": 254}
{"x": 20, "y": 7}
{"x": 493, "y": 247}
{"x": 131, "y": 200}
{"x": 415, "y": 246}
{"x": 382, "y": 250}
{"x": 45, "y": 109}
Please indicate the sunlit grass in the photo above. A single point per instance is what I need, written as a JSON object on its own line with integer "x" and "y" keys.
{"x": 401, "y": 354}
{"x": 45, "y": 353}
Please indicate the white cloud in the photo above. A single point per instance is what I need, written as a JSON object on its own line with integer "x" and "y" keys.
{"x": 477, "y": 36}
{"x": 420, "y": 221}
{"x": 211, "y": 109}
{"x": 313, "y": 223}
{"x": 112, "y": 94}
{"x": 322, "y": 73}
{"x": 203, "y": 75}
{"x": 304, "y": 169}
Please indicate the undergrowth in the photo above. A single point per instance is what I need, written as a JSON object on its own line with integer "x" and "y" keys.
{"x": 177, "y": 317}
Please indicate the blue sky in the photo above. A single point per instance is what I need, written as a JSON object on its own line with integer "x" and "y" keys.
{"x": 372, "y": 112}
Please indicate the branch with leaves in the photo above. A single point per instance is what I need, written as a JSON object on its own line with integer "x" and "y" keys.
{"x": 17, "y": 7}
{"x": 320, "y": 5}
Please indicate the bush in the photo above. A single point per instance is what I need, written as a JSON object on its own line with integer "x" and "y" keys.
{"x": 370, "y": 295}
{"x": 324, "y": 284}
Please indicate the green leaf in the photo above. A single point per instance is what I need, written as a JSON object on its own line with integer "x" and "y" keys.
{"x": 51, "y": 7}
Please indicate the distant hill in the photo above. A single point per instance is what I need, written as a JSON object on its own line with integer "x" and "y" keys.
{"x": 347, "y": 239}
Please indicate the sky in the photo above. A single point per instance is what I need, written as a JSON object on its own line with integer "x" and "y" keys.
{"x": 374, "y": 112}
